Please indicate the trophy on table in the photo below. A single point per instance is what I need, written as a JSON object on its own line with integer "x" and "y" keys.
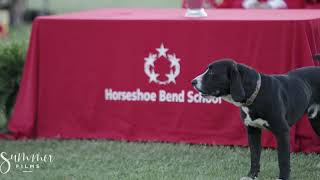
{"x": 195, "y": 9}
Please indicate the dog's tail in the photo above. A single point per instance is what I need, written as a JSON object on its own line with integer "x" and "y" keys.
{"x": 316, "y": 57}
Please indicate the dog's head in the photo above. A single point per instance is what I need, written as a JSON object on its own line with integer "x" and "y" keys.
{"x": 221, "y": 78}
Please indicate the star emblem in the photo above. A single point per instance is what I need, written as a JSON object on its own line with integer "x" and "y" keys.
{"x": 153, "y": 77}
{"x": 151, "y": 59}
{"x": 149, "y": 66}
{"x": 162, "y": 51}
{"x": 171, "y": 77}
{"x": 174, "y": 60}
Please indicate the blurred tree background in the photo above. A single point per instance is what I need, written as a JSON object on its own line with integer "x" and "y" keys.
{"x": 23, "y": 11}
{"x": 18, "y": 8}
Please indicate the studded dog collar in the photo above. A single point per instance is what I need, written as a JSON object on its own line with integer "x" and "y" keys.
{"x": 255, "y": 93}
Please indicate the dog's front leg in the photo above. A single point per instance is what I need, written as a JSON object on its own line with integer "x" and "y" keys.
{"x": 283, "y": 142}
{"x": 254, "y": 140}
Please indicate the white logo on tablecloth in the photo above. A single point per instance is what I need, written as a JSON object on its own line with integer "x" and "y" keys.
{"x": 162, "y": 68}
{"x": 149, "y": 66}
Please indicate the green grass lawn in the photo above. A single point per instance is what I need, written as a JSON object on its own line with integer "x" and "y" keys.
{"x": 110, "y": 160}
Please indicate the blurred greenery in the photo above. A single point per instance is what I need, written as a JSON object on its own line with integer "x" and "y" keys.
{"x": 12, "y": 56}
{"x": 61, "y": 6}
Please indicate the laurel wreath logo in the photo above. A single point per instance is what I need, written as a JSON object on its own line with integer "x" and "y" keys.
{"x": 149, "y": 67}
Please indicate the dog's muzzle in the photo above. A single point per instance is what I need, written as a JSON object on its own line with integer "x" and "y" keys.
{"x": 196, "y": 84}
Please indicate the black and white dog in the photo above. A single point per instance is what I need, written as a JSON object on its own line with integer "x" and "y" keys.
{"x": 272, "y": 102}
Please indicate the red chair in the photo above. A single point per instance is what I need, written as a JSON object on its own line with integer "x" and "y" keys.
{"x": 292, "y": 4}
{"x": 1, "y": 30}
{"x": 313, "y": 4}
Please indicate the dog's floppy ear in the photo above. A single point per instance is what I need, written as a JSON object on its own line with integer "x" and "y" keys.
{"x": 236, "y": 88}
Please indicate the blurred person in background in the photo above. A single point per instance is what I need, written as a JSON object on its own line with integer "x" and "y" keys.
{"x": 17, "y": 9}
{"x": 4, "y": 19}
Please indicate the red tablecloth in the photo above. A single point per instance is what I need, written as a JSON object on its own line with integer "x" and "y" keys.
{"x": 125, "y": 73}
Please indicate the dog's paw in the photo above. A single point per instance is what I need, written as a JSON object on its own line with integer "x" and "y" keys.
{"x": 248, "y": 178}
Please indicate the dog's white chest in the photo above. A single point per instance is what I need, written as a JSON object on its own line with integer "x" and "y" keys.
{"x": 258, "y": 123}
